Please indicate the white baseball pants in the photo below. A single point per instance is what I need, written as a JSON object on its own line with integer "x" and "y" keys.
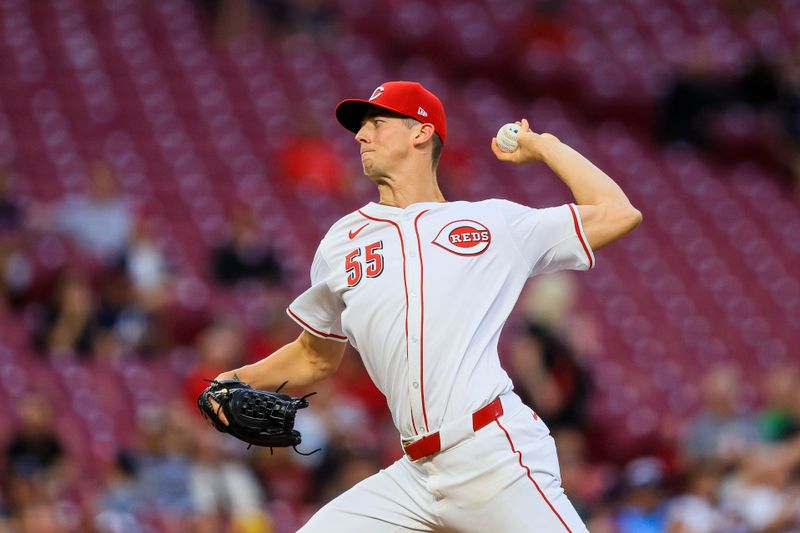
{"x": 504, "y": 478}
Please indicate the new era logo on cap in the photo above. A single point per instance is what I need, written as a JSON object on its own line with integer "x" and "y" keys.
{"x": 406, "y": 98}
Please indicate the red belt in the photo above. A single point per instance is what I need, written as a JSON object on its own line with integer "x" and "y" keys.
{"x": 430, "y": 444}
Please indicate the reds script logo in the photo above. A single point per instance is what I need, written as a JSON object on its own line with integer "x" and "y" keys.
{"x": 464, "y": 237}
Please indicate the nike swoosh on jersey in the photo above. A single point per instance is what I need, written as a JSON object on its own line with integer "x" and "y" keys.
{"x": 352, "y": 233}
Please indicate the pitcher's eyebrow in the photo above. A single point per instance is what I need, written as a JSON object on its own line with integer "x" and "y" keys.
{"x": 377, "y": 112}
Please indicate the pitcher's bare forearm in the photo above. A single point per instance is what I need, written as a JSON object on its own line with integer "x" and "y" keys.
{"x": 302, "y": 362}
{"x": 606, "y": 213}
{"x": 588, "y": 184}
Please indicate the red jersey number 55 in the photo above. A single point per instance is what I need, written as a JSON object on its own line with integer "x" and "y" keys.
{"x": 372, "y": 259}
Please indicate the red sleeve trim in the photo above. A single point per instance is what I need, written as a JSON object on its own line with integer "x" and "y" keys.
{"x": 580, "y": 235}
{"x": 313, "y": 330}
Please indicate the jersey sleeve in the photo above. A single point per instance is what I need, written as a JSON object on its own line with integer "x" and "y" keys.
{"x": 319, "y": 310}
{"x": 550, "y": 239}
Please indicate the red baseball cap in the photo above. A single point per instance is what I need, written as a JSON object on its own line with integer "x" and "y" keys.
{"x": 407, "y": 98}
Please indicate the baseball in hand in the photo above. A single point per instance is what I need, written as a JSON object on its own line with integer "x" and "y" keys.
{"x": 507, "y": 137}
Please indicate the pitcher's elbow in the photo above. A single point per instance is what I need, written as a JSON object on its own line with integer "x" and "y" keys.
{"x": 635, "y": 217}
{"x": 624, "y": 213}
{"x": 627, "y": 219}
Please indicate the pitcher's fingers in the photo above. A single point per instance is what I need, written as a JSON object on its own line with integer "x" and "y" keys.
{"x": 218, "y": 410}
{"x": 503, "y": 156}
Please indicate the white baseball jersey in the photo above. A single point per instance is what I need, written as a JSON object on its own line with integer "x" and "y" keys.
{"x": 423, "y": 292}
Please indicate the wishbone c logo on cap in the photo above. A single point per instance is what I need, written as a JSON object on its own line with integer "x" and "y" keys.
{"x": 406, "y": 98}
{"x": 376, "y": 93}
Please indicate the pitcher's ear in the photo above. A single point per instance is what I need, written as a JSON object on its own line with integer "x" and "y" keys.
{"x": 426, "y": 131}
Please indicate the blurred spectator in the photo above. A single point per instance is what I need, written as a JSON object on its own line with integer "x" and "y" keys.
{"x": 317, "y": 19}
{"x": 587, "y": 483}
{"x": 339, "y": 421}
{"x": 602, "y": 520}
{"x": 698, "y": 510}
{"x": 83, "y": 321}
{"x": 352, "y": 378}
{"x": 310, "y": 162}
{"x": 224, "y": 490}
{"x": 754, "y": 115}
{"x": 545, "y": 369}
{"x": 341, "y": 469}
{"x": 11, "y": 212}
{"x": 34, "y": 448}
{"x": 99, "y": 222}
{"x": 122, "y": 502}
{"x": 548, "y": 375}
{"x": 273, "y": 328}
{"x": 643, "y": 509}
{"x": 285, "y": 479}
{"x": 719, "y": 430}
{"x": 788, "y": 108}
{"x": 548, "y": 26}
{"x": 764, "y": 492}
{"x": 789, "y": 94}
{"x": 219, "y": 347}
{"x": 759, "y": 85}
{"x": 16, "y": 268}
{"x": 123, "y": 325}
{"x": 245, "y": 255}
{"x": 68, "y": 323}
{"x": 780, "y": 417}
{"x": 551, "y": 301}
{"x": 16, "y": 271}
{"x": 37, "y": 473}
{"x": 692, "y": 97}
{"x": 165, "y": 468}
{"x": 147, "y": 266}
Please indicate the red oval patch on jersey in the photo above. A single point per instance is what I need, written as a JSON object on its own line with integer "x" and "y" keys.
{"x": 468, "y": 237}
{"x": 464, "y": 237}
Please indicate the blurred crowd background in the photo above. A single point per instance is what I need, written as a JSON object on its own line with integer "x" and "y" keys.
{"x": 168, "y": 167}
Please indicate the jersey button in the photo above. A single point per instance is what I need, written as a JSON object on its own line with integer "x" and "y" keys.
{"x": 413, "y": 294}
{"x": 414, "y": 338}
{"x": 415, "y": 384}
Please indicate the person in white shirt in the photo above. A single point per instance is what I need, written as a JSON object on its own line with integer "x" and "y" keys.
{"x": 421, "y": 287}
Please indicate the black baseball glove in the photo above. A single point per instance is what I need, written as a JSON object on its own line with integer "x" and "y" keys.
{"x": 257, "y": 417}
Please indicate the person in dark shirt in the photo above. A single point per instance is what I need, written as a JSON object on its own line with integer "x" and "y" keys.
{"x": 692, "y": 98}
{"x": 11, "y": 214}
{"x": 551, "y": 378}
{"x": 68, "y": 324}
{"x": 34, "y": 448}
{"x": 245, "y": 255}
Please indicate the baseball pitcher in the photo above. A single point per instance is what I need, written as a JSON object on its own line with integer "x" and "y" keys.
{"x": 421, "y": 287}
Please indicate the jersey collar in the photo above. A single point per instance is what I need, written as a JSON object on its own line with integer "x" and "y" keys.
{"x": 388, "y": 211}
